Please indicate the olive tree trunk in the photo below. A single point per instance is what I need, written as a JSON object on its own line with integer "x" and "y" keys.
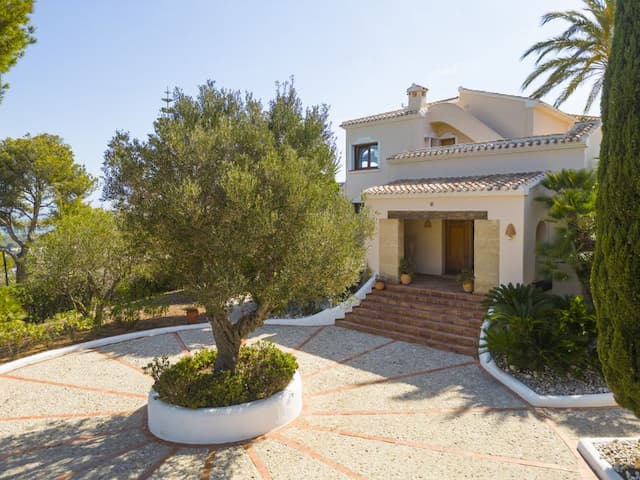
{"x": 229, "y": 335}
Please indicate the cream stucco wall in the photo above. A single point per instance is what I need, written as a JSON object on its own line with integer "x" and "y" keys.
{"x": 505, "y": 207}
{"x": 545, "y": 122}
{"x": 423, "y": 246}
{"x": 508, "y": 116}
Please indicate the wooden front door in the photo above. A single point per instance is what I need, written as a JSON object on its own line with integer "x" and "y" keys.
{"x": 458, "y": 241}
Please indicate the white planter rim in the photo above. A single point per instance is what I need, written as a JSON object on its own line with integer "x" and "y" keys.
{"x": 602, "y": 468}
{"x": 221, "y": 425}
{"x": 535, "y": 399}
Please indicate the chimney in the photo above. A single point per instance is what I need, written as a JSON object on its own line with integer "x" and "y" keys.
{"x": 417, "y": 96}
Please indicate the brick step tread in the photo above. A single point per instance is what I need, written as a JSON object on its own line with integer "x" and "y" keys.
{"x": 421, "y": 332}
{"x": 439, "y": 322}
{"x": 469, "y": 297}
{"x": 427, "y": 299}
{"x": 422, "y": 308}
{"x": 442, "y": 315}
{"x": 472, "y": 352}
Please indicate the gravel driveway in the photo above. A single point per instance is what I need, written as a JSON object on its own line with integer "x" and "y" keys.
{"x": 374, "y": 408}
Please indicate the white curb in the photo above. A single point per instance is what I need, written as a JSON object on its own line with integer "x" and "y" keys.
{"x": 330, "y": 315}
{"x": 197, "y": 426}
{"x": 100, "y": 342}
{"x": 535, "y": 399}
{"x": 602, "y": 468}
{"x": 325, "y": 317}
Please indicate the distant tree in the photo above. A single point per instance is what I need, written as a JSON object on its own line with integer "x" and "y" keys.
{"x": 572, "y": 209}
{"x": 16, "y": 33}
{"x": 38, "y": 179}
{"x": 83, "y": 258}
{"x": 244, "y": 201}
{"x": 617, "y": 256}
{"x": 576, "y": 56}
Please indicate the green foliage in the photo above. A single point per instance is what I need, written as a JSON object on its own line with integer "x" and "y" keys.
{"x": 16, "y": 33}
{"x": 578, "y": 54}
{"x": 10, "y": 306}
{"x": 128, "y": 313}
{"x": 572, "y": 209}
{"x": 84, "y": 260}
{"x": 243, "y": 203}
{"x": 68, "y": 323}
{"x": 262, "y": 371}
{"x": 406, "y": 266}
{"x": 616, "y": 267}
{"x": 532, "y": 330}
{"x": 15, "y": 335}
{"x": 465, "y": 275}
{"x": 38, "y": 181}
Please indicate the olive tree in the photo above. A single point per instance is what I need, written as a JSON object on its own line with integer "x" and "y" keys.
{"x": 242, "y": 199}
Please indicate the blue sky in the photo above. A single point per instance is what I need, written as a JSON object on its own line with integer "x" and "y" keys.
{"x": 99, "y": 67}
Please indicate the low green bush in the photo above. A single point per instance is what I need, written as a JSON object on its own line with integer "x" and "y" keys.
{"x": 10, "y": 306}
{"x": 532, "y": 330}
{"x": 15, "y": 335}
{"x": 262, "y": 370}
{"x": 68, "y": 323}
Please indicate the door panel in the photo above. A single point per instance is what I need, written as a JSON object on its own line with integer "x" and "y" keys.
{"x": 458, "y": 246}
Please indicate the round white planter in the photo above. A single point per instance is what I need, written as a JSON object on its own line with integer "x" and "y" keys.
{"x": 224, "y": 424}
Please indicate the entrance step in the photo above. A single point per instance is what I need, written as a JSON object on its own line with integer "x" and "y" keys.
{"x": 449, "y": 321}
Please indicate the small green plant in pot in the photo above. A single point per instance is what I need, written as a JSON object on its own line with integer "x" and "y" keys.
{"x": 406, "y": 271}
{"x": 466, "y": 278}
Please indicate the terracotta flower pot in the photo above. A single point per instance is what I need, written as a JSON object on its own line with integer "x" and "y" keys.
{"x": 379, "y": 285}
{"x": 192, "y": 315}
{"x": 467, "y": 286}
{"x": 405, "y": 279}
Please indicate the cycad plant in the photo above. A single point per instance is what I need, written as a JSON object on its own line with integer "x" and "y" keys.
{"x": 578, "y": 55}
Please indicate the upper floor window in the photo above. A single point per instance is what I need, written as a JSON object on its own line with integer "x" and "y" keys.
{"x": 365, "y": 156}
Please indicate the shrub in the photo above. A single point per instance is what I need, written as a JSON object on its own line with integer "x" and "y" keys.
{"x": 531, "y": 330}
{"x": 68, "y": 323}
{"x": 262, "y": 370}
{"x": 15, "y": 335}
{"x": 10, "y": 306}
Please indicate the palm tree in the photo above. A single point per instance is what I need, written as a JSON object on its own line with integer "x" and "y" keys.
{"x": 578, "y": 54}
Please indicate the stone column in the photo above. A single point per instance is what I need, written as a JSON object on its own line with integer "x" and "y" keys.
{"x": 486, "y": 255}
{"x": 391, "y": 248}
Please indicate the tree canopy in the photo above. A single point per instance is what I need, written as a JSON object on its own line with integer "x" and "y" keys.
{"x": 576, "y": 56}
{"x": 244, "y": 202}
{"x": 616, "y": 267}
{"x": 16, "y": 33}
{"x": 38, "y": 180}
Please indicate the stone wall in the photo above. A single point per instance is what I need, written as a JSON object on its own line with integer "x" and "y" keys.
{"x": 391, "y": 248}
{"x": 486, "y": 253}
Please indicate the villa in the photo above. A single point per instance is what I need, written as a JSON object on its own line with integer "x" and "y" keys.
{"x": 452, "y": 183}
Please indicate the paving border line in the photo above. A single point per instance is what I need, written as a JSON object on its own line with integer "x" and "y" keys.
{"x": 602, "y": 468}
{"x": 325, "y": 317}
{"x": 535, "y": 399}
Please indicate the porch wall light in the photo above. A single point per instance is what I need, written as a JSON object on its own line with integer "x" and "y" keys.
{"x": 510, "y": 232}
{"x": 427, "y": 223}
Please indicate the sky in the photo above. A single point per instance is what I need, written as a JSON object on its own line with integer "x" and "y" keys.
{"x": 98, "y": 67}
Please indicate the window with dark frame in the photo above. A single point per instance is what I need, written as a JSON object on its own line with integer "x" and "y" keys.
{"x": 365, "y": 156}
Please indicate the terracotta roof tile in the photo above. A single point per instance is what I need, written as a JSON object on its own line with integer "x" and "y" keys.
{"x": 403, "y": 112}
{"x": 476, "y": 183}
{"x": 578, "y": 132}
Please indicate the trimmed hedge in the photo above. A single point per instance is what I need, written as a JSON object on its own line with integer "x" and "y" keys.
{"x": 262, "y": 371}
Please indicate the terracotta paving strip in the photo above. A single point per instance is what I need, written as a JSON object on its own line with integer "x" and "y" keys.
{"x": 310, "y": 337}
{"x": 419, "y": 411}
{"x": 67, "y": 415}
{"x": 441, "y": 449}
{"x": 340, "y": 363}
{"x": 316, "y": 456}
{"x": 150, "y": 470}
{"x": 76, "y": 387}
{"x": 100, "y": 461}
{"x": 181, "y": 344}
{"x": 258, "y": 463}
{"x": 208, "y": 465}
{"x": 583, "y": 468}
{"x": 391, "y": 379}
{"x": 115, "y": 358}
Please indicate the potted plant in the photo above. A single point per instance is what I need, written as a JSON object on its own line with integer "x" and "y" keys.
{"x": 406, "y": 270}
{"x": 379, "y": 285}
{"x": 465, "y": 277}
{"x": 192, "y": 314}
